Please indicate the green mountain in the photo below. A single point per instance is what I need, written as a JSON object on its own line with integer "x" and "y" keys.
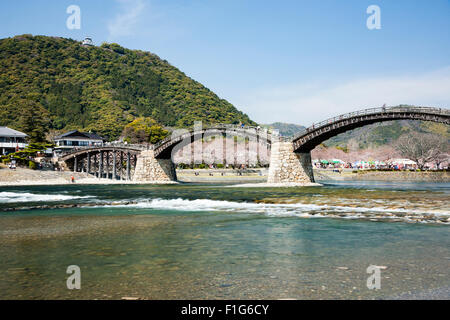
{"x": 285, "y": 129}
{"x": 58, "y": 84}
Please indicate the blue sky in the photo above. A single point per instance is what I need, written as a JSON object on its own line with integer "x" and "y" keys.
{"x": 291, "y": 61}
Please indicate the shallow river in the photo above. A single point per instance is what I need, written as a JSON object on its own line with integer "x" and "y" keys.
{"x": 217, "y": 241}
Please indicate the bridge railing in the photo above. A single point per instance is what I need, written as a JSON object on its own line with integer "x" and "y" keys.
{"x": 369, "y": 111}
{"x": 106, "y": 145}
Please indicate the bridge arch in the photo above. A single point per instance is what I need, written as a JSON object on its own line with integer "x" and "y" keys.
{"x": 83, "y": 151}
{"x": 164, "y": 148}
{"x": 106, "y": 161}
{"x": 313, "y": 136}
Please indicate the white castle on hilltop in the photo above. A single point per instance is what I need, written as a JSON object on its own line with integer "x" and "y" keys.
{"x": 87, "y": 42}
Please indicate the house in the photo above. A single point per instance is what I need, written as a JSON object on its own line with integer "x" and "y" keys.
{"x": 75, "y": 138}
{"x": 11, "y": 140}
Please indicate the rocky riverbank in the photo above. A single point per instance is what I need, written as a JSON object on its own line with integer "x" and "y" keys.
{"x": 24, "y": 177}
{"x": 28, "y": 177}
{"x": 222, "y": 175}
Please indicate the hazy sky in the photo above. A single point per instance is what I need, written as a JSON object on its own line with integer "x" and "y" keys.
{"x": 291, "y": 61}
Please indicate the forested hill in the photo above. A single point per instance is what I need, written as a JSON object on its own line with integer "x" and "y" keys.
{"x": 61, "y": 85}
{"x": 385, "y": 133}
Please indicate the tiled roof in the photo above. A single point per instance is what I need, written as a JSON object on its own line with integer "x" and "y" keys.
{"x": 87, "y": 135}
{"x": 8, "y": 132}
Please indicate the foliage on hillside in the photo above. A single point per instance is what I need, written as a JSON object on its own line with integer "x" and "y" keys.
{"x": 144, "y": 130}
{"x": 102, "y": 89}
{"x": 384, "y": 133}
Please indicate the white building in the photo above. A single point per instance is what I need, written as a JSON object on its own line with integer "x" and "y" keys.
{"x": 87, "y": 42}
{"x": 11, "y": 140}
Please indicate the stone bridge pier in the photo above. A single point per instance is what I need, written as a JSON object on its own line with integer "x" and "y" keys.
{"x": 287, "y": 166}
{"x": 152, "y": 169}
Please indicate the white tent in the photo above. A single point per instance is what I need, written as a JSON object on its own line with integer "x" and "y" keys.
{"x": 401, "y": 161}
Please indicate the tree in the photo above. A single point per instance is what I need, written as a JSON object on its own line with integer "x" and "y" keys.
{"x": 144, "y": 130}
{"x": 442, "y": 158}
{"x": 24, "y": 157}
{"x": 422, "y": 148}
{"x": 33, "y": 120}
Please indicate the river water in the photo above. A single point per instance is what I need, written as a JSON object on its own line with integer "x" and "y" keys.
{"x": 217, "y": 241}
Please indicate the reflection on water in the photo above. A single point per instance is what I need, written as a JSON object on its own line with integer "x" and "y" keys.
{"x": 205, "y": 241}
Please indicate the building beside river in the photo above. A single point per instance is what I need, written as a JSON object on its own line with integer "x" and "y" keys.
{"x": 11, "y": 140}
{"x": 75, "y": 138}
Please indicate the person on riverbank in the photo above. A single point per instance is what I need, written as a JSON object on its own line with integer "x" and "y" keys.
{"x": 72, "y": 179}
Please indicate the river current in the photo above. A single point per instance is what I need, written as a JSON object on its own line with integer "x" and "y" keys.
{"x": 195, "y": 241}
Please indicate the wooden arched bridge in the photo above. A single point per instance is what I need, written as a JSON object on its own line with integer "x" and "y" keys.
{"x": 153, "y": 162}
{"x": 111, "y": 161}
{"x": 290, "y": 160}
{"x": 313, "y": 136}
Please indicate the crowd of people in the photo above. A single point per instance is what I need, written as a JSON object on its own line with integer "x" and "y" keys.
{"x": 391, "y": 164}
